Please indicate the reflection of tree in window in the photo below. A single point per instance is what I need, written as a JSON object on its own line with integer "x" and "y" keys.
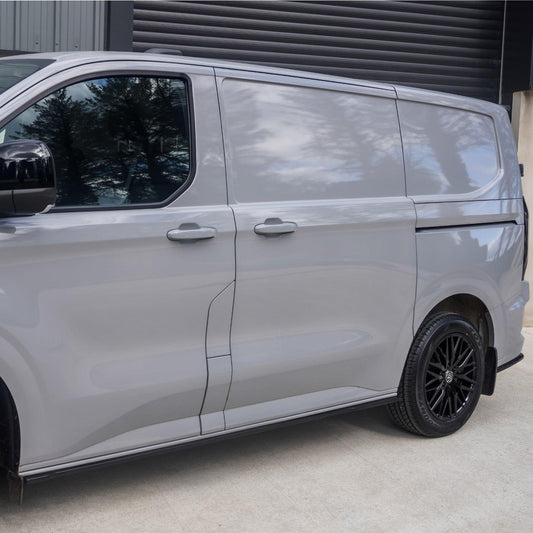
{"x": 57, "y": 122}
{"x": 119, "y": 140}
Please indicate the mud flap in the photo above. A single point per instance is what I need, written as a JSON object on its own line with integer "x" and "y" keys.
{"x": 489, "y": 380}
{"x": 15, "y": 487}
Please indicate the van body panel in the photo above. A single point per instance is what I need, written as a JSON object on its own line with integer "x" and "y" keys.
{"x": 145, "y": 436}
{"x": 447, "y": 151}
{"x": 115, "y": 340}
{"x": 483, "y": 261}
{"x": 300, "y": 404}
{"x": 63, "y": 61}
{"x": 297, "y": 143}
{"x": 469, "y": 240}
{"x": 38, "y": 473}
{"x": 310, "y": 306}
{"x": 217, "y": 340}
{"x": 107, "y": 312}
{"x": 442, "y": 214}
{"x": 412, "y": 94}
{"x": 508, "y": 326}
{"x": 327, "y": 83}
{"x": 455, "y": 155}
{"x": 68, "y": 277}
{"x": 212, "y": 417}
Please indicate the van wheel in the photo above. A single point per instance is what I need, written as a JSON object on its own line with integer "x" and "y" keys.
{"x": 442, "y": 379}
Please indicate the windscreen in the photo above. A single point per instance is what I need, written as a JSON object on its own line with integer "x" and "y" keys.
{"x": 14, "y": 70}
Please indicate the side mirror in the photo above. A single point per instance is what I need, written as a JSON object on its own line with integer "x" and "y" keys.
{"x": 27, "y": 178}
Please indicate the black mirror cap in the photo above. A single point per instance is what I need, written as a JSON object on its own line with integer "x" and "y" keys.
{"x": 27, "y": 178}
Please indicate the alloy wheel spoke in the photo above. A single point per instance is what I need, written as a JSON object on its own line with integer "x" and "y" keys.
{"x": 455, "y": 346}
{"x": 438, "y": 400}
{"x": 465, "y": 388}
{"x": 432, "y": 382}
{"x": 436, "y": 365}
{"x": 442, "y": 354}
{"x": 455, "y": 401}
{"x": 466, "y": 359}
{"x": 433, "y": 374}
{"x": 453, "y": 359}
{"x": 461, "y": 395}
{"x": 464, "y": 377}
{"x": 435, "y": 393}
{"x": 444, "y": 406}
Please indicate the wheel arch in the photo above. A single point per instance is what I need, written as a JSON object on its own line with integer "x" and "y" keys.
{"x": 22, "y": 396}
{"x": 9, "y": 431}
{"x": 476, "y": 312}
{"x": 443, "y": 376}
{"x": 470, "y": 307}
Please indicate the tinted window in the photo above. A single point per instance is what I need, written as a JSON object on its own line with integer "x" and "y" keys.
{"x": 447, "y": 151}
{"x": 14, "y": 70}
{"x": 299, "y": 143}
{"x": 115, "y": 141}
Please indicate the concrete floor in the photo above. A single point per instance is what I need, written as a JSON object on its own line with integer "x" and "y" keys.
{"x": 348, "y": 473}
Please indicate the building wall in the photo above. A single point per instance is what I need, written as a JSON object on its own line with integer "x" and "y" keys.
{"x": 52, "y": 26}
{"x": 447, "y": 46}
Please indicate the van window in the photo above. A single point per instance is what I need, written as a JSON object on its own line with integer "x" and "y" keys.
{"x": 298, "y": 143}
{"x": 447, "y": 151}
{"x": 115, "y": 141}
{"x": 14, "y": 70}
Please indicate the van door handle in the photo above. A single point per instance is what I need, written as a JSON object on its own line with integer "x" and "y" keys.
{"x": 275, "y": 226}
{"x": 191, "y": 232}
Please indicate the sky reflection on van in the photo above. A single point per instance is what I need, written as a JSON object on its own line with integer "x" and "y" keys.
{"x": 447, "y": 150}
{"x": 305, "y": 143}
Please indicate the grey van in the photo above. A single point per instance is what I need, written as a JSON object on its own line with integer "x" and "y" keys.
{"x": 192, "y": 248}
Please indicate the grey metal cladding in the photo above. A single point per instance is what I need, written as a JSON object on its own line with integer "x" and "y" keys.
{"x": 448, "y": 46}
{"x": 7, "y": 25}
{"x": 52, "y": 26}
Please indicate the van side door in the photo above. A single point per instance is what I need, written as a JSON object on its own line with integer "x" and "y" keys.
{"x": 106, "y": 297}
{"x": 325, "y": 246}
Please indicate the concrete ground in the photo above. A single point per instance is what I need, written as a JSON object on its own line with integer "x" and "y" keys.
{"x": 348, "y": 473}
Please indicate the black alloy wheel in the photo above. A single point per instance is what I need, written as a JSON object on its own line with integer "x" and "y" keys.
{"x": 451, "y": 375}
{"x": 443, "y": 377}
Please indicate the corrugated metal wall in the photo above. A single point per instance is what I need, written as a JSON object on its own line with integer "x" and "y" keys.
{"x": 52, "y": 26}
{"x": 448, "y": 46}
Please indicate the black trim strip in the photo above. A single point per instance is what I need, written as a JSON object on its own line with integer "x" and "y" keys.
{"x": 461, "y": 226}
{"x": 510, "y": 363}
{"x": 207, "y": 440}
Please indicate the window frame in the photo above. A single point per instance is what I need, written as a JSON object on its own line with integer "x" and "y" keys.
{"x": 144, "y": 72}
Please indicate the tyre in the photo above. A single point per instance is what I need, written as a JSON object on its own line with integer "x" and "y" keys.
{"x": 442, "y": 379}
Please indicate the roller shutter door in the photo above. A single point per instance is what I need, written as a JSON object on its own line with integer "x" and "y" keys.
{"x": 448, "y": 46}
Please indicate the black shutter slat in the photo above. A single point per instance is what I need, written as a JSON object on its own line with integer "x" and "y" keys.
{"x": 270, "y": 18}
{"x": 449, "y": 46}
{"x": 188, "y": 31}
{"x": 209, "y": 22}
{"x": 283, "y": 53}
